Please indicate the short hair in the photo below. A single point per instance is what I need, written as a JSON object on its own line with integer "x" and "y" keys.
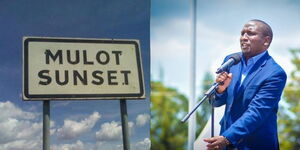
{"x": 267, "y": 29}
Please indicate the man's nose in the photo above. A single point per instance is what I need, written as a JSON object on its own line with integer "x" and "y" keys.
{"x": 244, "y": 37}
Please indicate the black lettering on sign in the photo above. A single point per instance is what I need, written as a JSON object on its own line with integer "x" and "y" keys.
{"x": 117, "y": 56}
{"x": 125, "y": 73}
{"x": 58, "y": 55}
{"x": 76, "y": 75}
{"x": 110, "y": 77}
{"x": 44, "y": 74}
{"x": 102, "y": 60}
{"x": 57, "y": 78}
{"x": 97, "y": 76}
{"x": 85, "y": 61}
{"x": 76, "y": 61}
{"x": 65, "y": 77}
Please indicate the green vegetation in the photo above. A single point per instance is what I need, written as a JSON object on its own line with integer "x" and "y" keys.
{"x": 168, "y": 107}
{"x": 289, "y": 121}
{"x": 167, "y": 133}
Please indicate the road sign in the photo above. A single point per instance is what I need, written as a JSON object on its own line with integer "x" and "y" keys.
{"x": 73, "y": 68}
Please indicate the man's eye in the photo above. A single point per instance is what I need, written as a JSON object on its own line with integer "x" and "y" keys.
{"x": 250, "y": 33}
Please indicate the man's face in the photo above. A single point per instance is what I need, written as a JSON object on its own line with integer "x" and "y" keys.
{"x": 252, "y": 39}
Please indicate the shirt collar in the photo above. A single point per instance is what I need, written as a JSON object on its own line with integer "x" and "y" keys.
{"x": 252, "y": 60}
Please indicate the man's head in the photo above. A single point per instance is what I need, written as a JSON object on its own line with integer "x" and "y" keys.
{"x": 256, "y": 37}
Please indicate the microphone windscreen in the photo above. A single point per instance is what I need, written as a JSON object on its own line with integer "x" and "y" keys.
{"x": 237, "y": 58}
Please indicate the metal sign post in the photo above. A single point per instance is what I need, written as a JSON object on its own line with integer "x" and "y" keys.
{"x": 125, "y": 129}
{"x": 46, "y": 125}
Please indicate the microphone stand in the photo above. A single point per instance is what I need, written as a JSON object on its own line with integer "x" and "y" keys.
{"x": 208, "y": 94}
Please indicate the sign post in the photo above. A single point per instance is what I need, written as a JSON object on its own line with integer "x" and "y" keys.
{"x": 125, "y": 129}
{"x": 46, "y": 125}
{"x": 78, "y": 68}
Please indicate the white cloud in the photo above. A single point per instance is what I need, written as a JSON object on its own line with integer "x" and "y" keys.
{"x": 78, "y": 145}
{"x": 170, "y": 39}
{"x": 18, "y": 129}
{"x": 170, "y": 49}
{"x": 73, "y": 129}
{"x": 142, "y": 119}
{"x": 98, "y": 145}
{"x": 52, "y": 127}
{"x": 143, "y": 145}
{"x": 24, "y": 144}
{"x": 9, "y": 110}
{"x": 112, "y": 131}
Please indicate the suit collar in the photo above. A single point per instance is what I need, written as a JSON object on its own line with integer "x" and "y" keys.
{"x": 251, "y": 61}
{"x": 255, "y": 69}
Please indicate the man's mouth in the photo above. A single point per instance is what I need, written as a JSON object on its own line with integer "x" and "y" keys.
{"x": 244, "y": 45}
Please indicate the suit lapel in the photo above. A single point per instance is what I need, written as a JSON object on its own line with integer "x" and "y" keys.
{"x": 235, "y": 82}
{"x": 236, "y": 72}
{"x": 254, "y": 71}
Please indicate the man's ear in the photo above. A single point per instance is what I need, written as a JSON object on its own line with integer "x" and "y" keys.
{"x": 267, "y": 41}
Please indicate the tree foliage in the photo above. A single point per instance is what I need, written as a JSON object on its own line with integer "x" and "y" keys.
{"x": 289, "y": 121}
{"x": 168, "y": 107}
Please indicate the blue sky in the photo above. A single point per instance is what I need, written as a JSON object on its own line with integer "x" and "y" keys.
{"x": 76, "y": 124}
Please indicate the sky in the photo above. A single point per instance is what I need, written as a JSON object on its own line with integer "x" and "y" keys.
{"x": 219, "y": 23}
{"x": 81, "y": 124}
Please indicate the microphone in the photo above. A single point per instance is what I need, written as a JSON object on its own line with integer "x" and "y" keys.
{"x": 233, "y": 60}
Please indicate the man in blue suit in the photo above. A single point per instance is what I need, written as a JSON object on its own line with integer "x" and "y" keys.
{"x": 251, "y": 91}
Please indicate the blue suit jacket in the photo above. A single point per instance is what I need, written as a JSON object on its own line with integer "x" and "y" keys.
{"x": 250, "y": 117}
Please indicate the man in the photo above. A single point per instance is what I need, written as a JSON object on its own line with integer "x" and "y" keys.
{"x": 251, "y": 91}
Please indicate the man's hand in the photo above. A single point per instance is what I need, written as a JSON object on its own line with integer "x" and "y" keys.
{"x": 216, "y": 143}
{"x": 224, "y": 78}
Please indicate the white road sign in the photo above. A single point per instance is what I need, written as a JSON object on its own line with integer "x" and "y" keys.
{"x": 71, "y": 68}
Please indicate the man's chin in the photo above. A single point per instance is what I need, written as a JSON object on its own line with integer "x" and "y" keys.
{"x": 246, "y": 50}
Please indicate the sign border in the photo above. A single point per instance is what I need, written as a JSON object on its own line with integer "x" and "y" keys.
{"x": 27, "y": 96}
